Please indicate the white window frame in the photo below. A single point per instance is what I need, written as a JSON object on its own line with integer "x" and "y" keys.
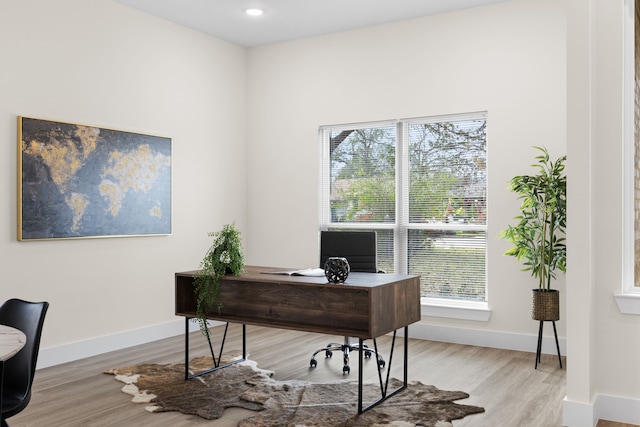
{"x": 628, "y": 299}
{"x": 437, "y": 307}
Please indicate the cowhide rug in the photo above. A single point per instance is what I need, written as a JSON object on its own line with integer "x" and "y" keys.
{"x": 286, "y": 403}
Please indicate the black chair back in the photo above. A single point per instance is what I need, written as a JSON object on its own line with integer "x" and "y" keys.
{"x": 358, "y": 247}
{"x": 20, "y": 369}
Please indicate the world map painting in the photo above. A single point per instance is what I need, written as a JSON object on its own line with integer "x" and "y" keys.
{"x": 80, "y": 181}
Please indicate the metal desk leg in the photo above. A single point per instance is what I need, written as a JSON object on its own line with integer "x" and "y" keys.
{"x": 384, "y": 386}
{"x": 186, "y": 348}
{"x": 360, "y": 365}
{"x": 216, "y": 362}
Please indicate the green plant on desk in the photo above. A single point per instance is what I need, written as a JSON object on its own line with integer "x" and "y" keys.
{"x": 223, "y": 257}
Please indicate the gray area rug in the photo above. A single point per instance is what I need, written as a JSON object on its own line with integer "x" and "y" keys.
{"x": 286, "y": 403}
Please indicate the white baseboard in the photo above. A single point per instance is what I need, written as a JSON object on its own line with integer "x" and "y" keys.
{"x": 92, "y": 347}
{"x": 578, "y": 414}
{"x": 615, "y": 408}
{"x": 604, "y": 407}
{"x": 481, "y": 338}
{"x": 81, "y": 349}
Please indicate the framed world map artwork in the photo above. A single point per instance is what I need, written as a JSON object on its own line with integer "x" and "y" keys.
{"x": 78, "y": 181}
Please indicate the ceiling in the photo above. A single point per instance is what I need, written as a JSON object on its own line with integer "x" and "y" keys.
{"x": 285, "y": 20}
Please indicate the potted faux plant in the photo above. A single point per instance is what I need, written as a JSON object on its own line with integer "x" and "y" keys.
{"x": 223, "y": 257}
{"x": 538, "y": 237}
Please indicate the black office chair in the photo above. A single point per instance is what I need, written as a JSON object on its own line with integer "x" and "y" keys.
{"x": 359, "y": 248}
{"x": 20, "y": 369}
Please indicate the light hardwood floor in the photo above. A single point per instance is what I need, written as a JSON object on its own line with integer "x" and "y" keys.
{"x": 504, "y": 382}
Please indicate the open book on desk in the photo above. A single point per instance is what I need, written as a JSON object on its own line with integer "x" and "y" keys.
{"x": 317, "y": 272}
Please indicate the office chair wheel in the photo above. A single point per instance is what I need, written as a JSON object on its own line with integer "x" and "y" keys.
{"x": 367, "y": 354}
{"x": 346, "y": 370}
{"x": 328, "y": 353}
{"x": 313, "y": 363}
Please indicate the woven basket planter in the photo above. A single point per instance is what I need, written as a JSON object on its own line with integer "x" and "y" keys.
{"x": 545, "y": 305}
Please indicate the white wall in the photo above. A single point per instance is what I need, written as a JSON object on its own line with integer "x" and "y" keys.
{"x": 603, "y": 345}
{"x": 101, "y": 63}
{"x": 494, "y": 58}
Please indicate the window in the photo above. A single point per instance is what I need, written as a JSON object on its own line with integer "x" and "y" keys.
{"x": 628, "y": 300}
{"x": 636, "y": 144}
{"x": 631, "y": 209}
{"x": 421, "y": 184}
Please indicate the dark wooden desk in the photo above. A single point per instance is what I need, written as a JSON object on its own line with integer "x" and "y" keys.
{"x": 366, "y": 306}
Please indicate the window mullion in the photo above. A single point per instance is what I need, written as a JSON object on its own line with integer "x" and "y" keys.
{"x": 402, "y": 199}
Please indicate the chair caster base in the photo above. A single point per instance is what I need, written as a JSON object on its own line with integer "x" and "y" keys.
{"x": 346, "y": 348}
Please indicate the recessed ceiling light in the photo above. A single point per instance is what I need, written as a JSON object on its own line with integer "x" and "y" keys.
{"x": 254, "y": 12}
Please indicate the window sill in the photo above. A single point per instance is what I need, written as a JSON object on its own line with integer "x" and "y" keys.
{"x": 454, "y": 309}
{"x": 628, "y": 303}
